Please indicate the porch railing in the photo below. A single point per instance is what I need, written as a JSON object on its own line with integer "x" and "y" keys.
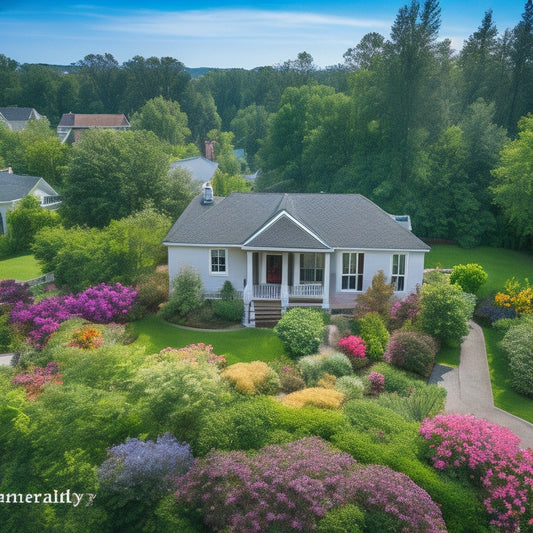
{"x": 272, "y": 291}
{"x": 308, "y": 290}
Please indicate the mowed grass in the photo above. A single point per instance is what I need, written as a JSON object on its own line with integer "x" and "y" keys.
{"x": 504, "y": 396}
{"x": 238, "y": 345}
{"x": 500, "y": 264}
{"x": 21, "y": 268}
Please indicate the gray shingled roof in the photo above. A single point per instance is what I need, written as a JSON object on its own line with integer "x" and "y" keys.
{"x": 348, "y": 221}
{"x": 201, "y": 169}
{"x": 15, "y": 187}
{"x": 16, "y": 114}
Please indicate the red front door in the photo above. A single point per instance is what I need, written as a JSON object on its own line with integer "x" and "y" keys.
{"x": 273, "y": 269}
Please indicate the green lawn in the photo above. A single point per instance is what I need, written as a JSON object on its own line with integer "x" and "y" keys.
{"x": 449, "y": 356}
{"x": 504, "y": 397}
{"x": 21, "y": 268}
{"x": 500, "y": 264}
{"x": 239, "y": 345}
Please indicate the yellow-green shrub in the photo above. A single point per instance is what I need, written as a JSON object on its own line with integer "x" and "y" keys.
{"x": 252, "y": 378}
{"x": 316, "y": 396}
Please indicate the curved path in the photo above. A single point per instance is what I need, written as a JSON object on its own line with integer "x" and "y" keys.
{"x": 469, "y": 389}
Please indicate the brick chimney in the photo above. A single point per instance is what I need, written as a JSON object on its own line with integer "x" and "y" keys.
{"x": 210, "y": 150}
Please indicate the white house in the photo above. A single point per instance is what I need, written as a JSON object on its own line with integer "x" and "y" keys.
{"x": 14, "y": 188}
{"x": 286, "y": 249}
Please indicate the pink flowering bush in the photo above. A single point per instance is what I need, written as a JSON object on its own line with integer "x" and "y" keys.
{"x": 404, "y": 311}
{"x": 193, "y": 353}
{"x": 355, "y": 348}
{"x": 377, "y": 383}
{"x": 101, "y": 304}
{"x": 489, "y": 455}
{"x": 36, "y": 377}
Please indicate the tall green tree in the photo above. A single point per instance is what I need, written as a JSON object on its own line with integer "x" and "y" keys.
{"x": 250, "y": 127}
{"x": 10, "y": 86}
{"x": 164, "y": 118}
{"x": 369, "y": 50}
{"x": 113, "y": 174}
{"x": 513, "y": 182}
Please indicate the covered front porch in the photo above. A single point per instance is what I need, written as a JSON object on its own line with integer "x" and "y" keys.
{"x": 286, "y": 277}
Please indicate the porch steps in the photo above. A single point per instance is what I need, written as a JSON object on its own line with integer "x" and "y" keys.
{"x": 267, "y": 313}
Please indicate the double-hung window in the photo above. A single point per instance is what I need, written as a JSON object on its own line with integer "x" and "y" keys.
{"x": 398, "y": 272}
{"x": 218, "y": 264}
{"x": 311, "y": 268}
{"x": 352, "y": 271}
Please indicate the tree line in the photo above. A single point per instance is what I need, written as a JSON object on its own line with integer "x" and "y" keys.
{"x": 403, "y": 120}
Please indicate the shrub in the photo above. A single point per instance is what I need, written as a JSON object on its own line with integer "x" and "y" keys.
{"x": 397, "y": 380}
{"x": 469, "y": 277}
{"x": 316, "y": 396}
{"x": 311, "y": 367}
{"x": 377, "y": 299}
{"x": 405, "y": 310}
{"x": 373, "y": 331}
{"x": 152, "y": 291}
{"x": 12, "y": 293}
{"x": 282, "y": 488}
{"x": 327, "y": 381}
{"x": 351, "y": 386}
{"x": 337, "y": 364}
{"x": 518, "y": 347}
{"x": 228, "y": 292}
{"x": 377, "y": 383}
{"x": 87, "y": 338}
{"x": 355, "y": 348}
{"x": 300, "y": 330}
{"x": 192, "y": 354}
{"x": 444, "y": 312}
{"x": 516, "y": 296}
{"x": 412, "y": 351}
{"x": 252, "y": 378}
{"x": 290, "y": 379}
{"x": 37, "y": 377}
{"x": 490, "y": 455}
{"x": 230, "y": 310}
{"x": 186, "y": 295}
{"x": 347, "y": 519}
{"x": 487, "y": 312}
{"x": 421, "y": 403}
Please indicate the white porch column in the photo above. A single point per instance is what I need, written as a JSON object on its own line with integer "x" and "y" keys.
{"x": 327, "y": 268}
{"x": 296, "y": 269}
{"x": 284, "y": 281}
{"x": 262, "y": 268}
{"x": 248, "y": 293}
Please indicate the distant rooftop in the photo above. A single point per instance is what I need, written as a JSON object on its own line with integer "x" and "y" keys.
{"x": 201, "y": 169}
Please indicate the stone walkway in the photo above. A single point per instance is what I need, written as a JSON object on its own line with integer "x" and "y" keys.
{"x": 469, "y": 389}
{"x": 5, "y": 358}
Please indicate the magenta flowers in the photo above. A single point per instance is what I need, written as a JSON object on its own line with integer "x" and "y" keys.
{"x": 101, "y": 304}
{"x": 491, "y": 456}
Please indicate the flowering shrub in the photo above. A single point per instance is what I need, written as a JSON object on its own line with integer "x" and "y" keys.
{"x": 252, "y": 378}
{"x": 516, "y": 296}
{"x": 137, "y": 470}
{"x": 378, "y": 488}
{"x": 87, "y": 338}
{"x": 412, "y": 351}
{"x": 404, "y": 310}
{"x": 487, "y": 312}
{"x": 280, "y": 488}
{"x": 290, "y": 379}
{"x": 12, "y": 292}
{"x": 101, "y": 304}
{"x": 377, "y": 382}
{"x": 193, "y": 353}
{"x": 491, "y": 455}
{"x": 355, "y": 348}
{"x": 316, "y": 396}
{"x": 37, "y": 377}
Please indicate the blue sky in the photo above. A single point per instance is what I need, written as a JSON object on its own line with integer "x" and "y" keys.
{"x": 215, "y": 33}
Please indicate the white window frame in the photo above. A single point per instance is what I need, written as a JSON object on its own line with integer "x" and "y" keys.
{"x": 318, "y": 266}
{"x": 399, "y": 278}
{"x": 218, "y": 272}
{"x": 359, "y": 276}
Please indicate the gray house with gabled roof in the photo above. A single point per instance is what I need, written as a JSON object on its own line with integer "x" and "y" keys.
{"x": 14, "y": 187}
{"x": 16, "y": 118}
{"x": 294, "y": 249}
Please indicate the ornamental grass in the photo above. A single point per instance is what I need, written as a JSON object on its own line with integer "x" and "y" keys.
{"x": 315, "y": 396}
{"x": 252, "y": 378}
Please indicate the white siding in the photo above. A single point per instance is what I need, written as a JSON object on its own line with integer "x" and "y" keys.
{"x": 198, "y": 258}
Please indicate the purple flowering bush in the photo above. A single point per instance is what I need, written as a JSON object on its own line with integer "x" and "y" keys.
{"x": 138, "y": 469}
{"x": 101, "y": 304}
{"x": 12, "y": 292}
{"x": 377, "y": 383}
{"x": 291, "y": 487}
{"x": 489, "y": 455}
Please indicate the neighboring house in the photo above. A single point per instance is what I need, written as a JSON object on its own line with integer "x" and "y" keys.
{"x": 200, "y": 168}
{"x": 16, "y": 118}
{"x": 72, "y": 125}
{"x": 14, "y": 188}
{"x": 285, "y": 250}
